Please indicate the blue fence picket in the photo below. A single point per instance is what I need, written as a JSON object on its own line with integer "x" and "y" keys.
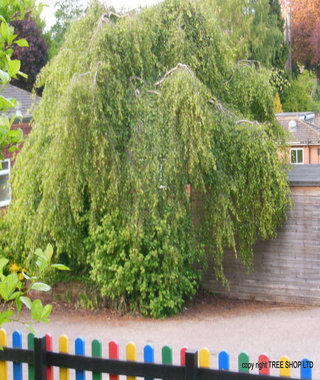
{"x": 17, "y": 343}
{"x": 148, "y": 355}
{"x": 305, "y": 369}
{"x": 80, "y": 350}
{"x": 224, "y": 360}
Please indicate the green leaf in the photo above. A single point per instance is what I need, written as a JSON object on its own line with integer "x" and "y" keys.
{"x": 39, "y": 252}
{"x": 11, "y": 37}
{"x": 31, "y": 329}
{"x": 8, "y": 286}
{"x": 23, "y": 75}
{"x": 26, "y": 301}
{"x": 4, "y": 77}
{"x": 46, "y": 312}
{"x": 49, "y": 252}
{"x": 3, "y": 263}
{"x": 41, "y": 264}
{"x": 40, "y": 8}
{"x": 60, "y": 267}
{"x": 14, "y": 295}
{"x": 6, "y": 316}
{"x": 5, "y": 104}
{"x": 41, "y": 287}
{"x": 4, "y": 30}
{"x": 36, "y": 309}
{"x": 22, "y": 42}
{"x": 14, "y": 67}
{"x": 14, "y": 136}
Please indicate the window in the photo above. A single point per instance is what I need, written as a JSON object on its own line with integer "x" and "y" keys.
{"x": 296, "y": 156}
{"x": 5, "y": 195}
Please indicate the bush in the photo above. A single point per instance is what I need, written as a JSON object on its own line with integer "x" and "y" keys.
{"x": 150, "y": 271}
{"x": 300, "y": 95}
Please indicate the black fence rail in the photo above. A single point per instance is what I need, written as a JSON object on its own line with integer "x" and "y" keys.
{"x": 40, "y": 358}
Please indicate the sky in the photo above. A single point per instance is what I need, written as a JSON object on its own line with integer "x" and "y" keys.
{"x": 48, "y": 12}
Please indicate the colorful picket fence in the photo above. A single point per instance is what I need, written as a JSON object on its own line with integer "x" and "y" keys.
{"x": 263, "y": 364}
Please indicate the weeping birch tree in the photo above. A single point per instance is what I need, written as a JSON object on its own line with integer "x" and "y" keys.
{"x": 149, "y": 151}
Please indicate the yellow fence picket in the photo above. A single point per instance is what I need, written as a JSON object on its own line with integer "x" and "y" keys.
{"x": 64, "y": 347}
{"x": 204, "y": 358}
{"x": 3, "y": 365}
{"x": 131, "y": 351}
{"x": 283, "y": 363}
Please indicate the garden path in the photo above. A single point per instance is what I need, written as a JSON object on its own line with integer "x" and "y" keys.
{"x": 217, "y": 324}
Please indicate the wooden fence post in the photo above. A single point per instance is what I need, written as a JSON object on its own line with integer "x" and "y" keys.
{"x": 40, "y": 365}
{"x": 191, "y": 364}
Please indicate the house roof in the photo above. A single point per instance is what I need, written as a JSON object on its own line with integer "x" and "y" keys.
{"x": 304, "y": 175}
{"x": 25, "y": 102}
{"x": 299, "y": 132}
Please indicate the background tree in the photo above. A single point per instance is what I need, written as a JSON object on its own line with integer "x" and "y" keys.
{"x": 133, "y": 111}
{"x": 66, "y": 11}
{"x": 254, "y": 28}
{"x": 305, "y": 23}
{"x": 33, "y": 57}
{"x": 301, "y": 94}
{"x": 268, "y": 45}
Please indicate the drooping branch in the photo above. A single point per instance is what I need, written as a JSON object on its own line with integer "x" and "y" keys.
{"x": 154, "y": 92}
{"x": 76, "y": 75}
{"x": 96, "y": 73}
{"x": 179, "y": 66}
{"x": 255, "y": 122}
{"x": 136, "y": 91}
{"x": 245, "y": 62}
{"x": 221, "y": 107}
{"x": 104, "y": 19}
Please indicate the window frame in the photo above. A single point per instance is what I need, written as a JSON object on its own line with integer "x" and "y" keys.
{"x": 4, "y": 172}
{"x": 296, "y": 150}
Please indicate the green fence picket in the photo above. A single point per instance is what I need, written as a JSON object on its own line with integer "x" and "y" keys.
{"x": 31, "y": 347}
{"x": 243, "y": 361}
{"x": 96, "y": 350}
{"x": 166, "y": 355}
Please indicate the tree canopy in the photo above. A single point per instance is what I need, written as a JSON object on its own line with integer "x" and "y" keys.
{"x": 305, "y": 21}
{"x": 135, "y": 110}
{"x": 254, "y": 29}
{"x": 66, "y": 11}
{"x": 32, "y": 57}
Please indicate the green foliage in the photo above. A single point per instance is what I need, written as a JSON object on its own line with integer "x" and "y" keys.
{"x": 66, "y": 11}
{"x": 8, "y": 69}
{"x": 254, "y": 29}
{"x": 10, "y": 10}
{"x": 86, "y": 302}
{"x": 122, "y": 130}
{"x": 14, "y": 287}
{"x": 302, "y": 94}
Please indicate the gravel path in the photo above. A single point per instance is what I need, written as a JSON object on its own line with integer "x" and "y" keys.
{"x": 235, "y": 326}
